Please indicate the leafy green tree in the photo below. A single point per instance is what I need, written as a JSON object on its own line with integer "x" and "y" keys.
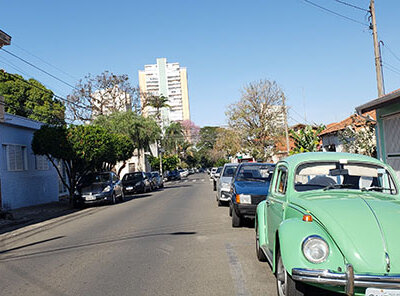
{"x": 220, "y": 162}
{"x": 80, "y": 149}
{"x": 140, "y": 130}
{"x": 307, "y": 139}
{"x": 173, "y": 138}
{"x": 207, "y": 137}
{"x": 29, "y": 98}
{"x": 169, "y": 162}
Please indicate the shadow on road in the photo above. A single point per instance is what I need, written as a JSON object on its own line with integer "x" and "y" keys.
{"x": 136, "y": 196}
{"x": 35, "y": 214}
{"x": 31, "y": 244}
{"x": 84, "y": 245}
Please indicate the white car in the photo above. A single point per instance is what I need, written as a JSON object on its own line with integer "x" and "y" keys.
{"x": 224, "y": 183}
{"x": 184, "y": 173}
{"x": 213, "y": 171}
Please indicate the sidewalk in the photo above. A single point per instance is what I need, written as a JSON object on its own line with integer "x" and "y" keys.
{"x": 34, "y": 214}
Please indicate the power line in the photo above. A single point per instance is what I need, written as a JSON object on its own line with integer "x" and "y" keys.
{"x": 390, "y": 65}
{"x": 7, "y": 62}
{"x": 36, "y": 67}
{"x": 352, "y": 5}
{"x": 393, "y": 54}
{"x": 47, "y": 63}
{"x": 48, "y": 91}
{"x": 390, "y": 68}
{"x": 335, "y": 13}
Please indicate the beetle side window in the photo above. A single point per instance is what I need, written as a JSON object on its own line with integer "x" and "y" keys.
{"x": 281, "y": 183}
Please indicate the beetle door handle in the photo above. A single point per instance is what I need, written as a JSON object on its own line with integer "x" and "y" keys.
{"x": 268, "y": 202}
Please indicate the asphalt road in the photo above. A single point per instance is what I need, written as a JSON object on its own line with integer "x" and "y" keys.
{"x": 174, "y": 241}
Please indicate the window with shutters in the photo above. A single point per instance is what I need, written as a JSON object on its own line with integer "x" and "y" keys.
{"x": 16, "y": 158}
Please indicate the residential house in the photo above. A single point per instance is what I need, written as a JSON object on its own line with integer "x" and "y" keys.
{"x": 25, "y": 178}
{"x": 331, "y": 135}
{"x": 387, "y": 110}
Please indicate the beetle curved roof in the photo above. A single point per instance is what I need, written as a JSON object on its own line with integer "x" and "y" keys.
{"x": 296, "y": 159}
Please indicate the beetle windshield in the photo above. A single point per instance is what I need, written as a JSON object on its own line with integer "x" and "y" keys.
{"x": 257, "y": 172}
{"x": 336, "y": 175}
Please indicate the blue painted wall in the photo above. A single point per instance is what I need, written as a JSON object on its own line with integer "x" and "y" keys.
{"x": 31, "y": 186}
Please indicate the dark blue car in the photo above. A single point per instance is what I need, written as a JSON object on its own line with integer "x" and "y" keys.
{"x": 249, "y": 187}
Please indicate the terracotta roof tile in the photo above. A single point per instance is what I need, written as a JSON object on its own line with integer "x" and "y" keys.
{"x": 353, "y": 120}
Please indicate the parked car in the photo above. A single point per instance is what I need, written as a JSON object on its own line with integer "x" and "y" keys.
{"x": 159, "y": 182}
{"x": 135, "y": 183}
{"x": 173, "y": 175}
{"x": 152, "y": 181}
{"x": 224, "y": 183}
{"x": 213, "y": 171}
{"x": 184, "y": 173}
{"x": 215, "y": 177}
{"x": 331, "y": 221}
{"x": 249, "y": 187}
{"x": 104, "y": 187}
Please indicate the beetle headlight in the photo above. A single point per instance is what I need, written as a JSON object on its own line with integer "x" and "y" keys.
{"x": 315, "y": 249}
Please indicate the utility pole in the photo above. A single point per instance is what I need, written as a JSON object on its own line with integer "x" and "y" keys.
{"x": 378, "y": 60}
{"x": 286, "y": 124}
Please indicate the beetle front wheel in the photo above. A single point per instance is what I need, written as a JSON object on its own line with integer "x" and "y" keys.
{"x": 286, "y": 286}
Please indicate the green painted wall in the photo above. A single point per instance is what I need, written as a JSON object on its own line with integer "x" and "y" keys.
{"x": 380, "y": 134}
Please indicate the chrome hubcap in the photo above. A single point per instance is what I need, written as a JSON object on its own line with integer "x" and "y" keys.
{"x": 281, "y": 277}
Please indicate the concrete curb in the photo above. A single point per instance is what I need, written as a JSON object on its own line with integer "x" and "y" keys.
{"x": 30, "y": 230}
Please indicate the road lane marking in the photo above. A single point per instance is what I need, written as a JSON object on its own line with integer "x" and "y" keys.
{"x": 236, "y": 271}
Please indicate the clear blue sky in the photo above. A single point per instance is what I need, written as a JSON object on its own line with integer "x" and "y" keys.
{"x": 324, "y": 63}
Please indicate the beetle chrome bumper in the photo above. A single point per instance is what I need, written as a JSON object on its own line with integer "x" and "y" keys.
{"x": 349, "y": 280}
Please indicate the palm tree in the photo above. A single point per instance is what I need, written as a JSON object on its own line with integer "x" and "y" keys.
{"x": 157, "y": 102}
{"x": 173, "y": 137}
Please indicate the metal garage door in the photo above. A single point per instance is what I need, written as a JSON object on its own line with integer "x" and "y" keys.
{"x": 391, "y": 128}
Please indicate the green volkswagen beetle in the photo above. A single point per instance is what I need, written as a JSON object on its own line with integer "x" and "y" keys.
{"x": 331, "y": 221}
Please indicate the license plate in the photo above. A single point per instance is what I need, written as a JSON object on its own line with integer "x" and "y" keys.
{"x": 89, "y": 197}
{"x": 129, "y": 188}
{"x": 382, "y": 292}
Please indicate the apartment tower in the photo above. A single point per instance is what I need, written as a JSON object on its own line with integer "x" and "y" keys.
{"x": 168, "y": 80}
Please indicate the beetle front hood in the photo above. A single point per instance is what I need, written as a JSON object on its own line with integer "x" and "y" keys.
{"x": 363, "y": 225}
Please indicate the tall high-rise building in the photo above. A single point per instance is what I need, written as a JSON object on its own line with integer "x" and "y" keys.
{"x": 168, "y": 80}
